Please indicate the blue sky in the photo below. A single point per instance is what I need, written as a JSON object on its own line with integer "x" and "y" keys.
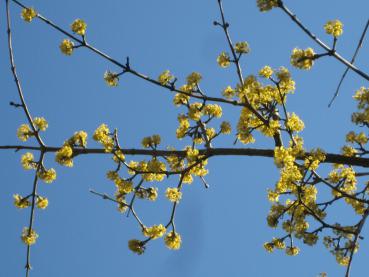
{"x": 223, "y": 228}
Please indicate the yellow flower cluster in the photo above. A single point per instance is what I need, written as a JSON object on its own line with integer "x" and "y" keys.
{"x": 173, "y": 194}
{"x": 348, "y": 151}
{"x": 292, "y": 251}
{"x": 28, "y": 236}
{"x": 40, "y": 123}
{"x": 152, "y": 141}
{"x": 64, "y": 156}
{"x": 266, "y": 5}
{"x": 27, "y": 161}
{"x": 66, "y": 47}
{"x": 165, "y": 77}
{"x": 102, "y": 135}
{"x": 275, "y": 243}
{"x": 224, "y": 60}
{"x": 47, "y": 175}
{"x": 78, "y": 139}
{"x": 303, "y": 59}
{"x": 195, "y": 111}
{"x": 28, "y": 14}
{"x": 312, "y": 161}
{"x": 225, "y": 127}
{"x": 111, "y": 78}
{"x": 180, "y": 98}
{"x": 294, "y": 123}
{"x": 334, "y": 28}
{"x": 228, "y": 92}
{"x": 242, "y": 47}
{"x": 24, "y": 132}
{"x": 360, "y": 138}
{"x": 173, "y": 240}
{"x": 42, "y": 202}
{"x": 213, "y": 110}
{"x": 155, "y": 169}
{"x": 362, "y": 116}
{"x": 266, "y": 72}
{"x": 21, "y": 202}
{"x": 79, "y": 27}
{"x": 136, "y": 246}
{"x": 154, "y": 232}
{"x": 193, "y": 79}
{"x": 346, "y": 177}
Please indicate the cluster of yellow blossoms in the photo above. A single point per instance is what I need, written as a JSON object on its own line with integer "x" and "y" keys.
{"x": 64, "y": 155}
{"x": 303, "y": 59}
{"x": 79, "y": 27}
{"x": 224, "y": 60}
{"x": 28, "y": 14}
{"x": 172, "y": 240}
{"x": 334, "y": 28}
{"x": 111, "y": 78}
{"x": 173, "y": 194}
{"x": 266, "y": 5}
{"x": 29, "y": 236}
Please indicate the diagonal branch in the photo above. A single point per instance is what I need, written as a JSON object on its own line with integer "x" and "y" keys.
{"x": 360, "y": 44}
{"x": 332, "y": 52}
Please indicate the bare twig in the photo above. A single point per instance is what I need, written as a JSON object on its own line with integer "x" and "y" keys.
{"x": 360, "y": 44}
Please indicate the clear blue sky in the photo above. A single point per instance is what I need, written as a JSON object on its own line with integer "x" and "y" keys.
{"x": 223, "y": 228}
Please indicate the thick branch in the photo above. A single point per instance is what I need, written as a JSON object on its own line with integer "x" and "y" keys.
{"x": 330, "y": 158}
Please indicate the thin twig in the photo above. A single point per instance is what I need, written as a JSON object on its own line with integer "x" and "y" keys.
{"x": 360, "y": 44}
{"x": 322, "y": 44}
{"x": 16, "y": 79}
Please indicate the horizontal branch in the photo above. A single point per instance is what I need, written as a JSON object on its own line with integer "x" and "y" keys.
{"x": 330, "y": 158}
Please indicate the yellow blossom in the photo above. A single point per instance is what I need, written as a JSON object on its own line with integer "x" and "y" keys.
{"x": 111, "y": 78}
{"x": 334, "y": 27}
{"x": 136, "y": 246}
{"x": 118, "y": 156}
{"x": 242, "y": 47}
{"x": 195, "y": 111}
{"x": 273, "y": 196}
{"x": 29, "y": 237}
{"x": 24, "y": 132}
{"x": 42, "y": 202}
{"x": 154, "y": 232}
{"x": 66, "y": 47}
{"x": 48, "y": 176}
{"x": 268, "y": 246}
{"x": 78, "y": 139}
{"x": 21, "y": 202}
{"x": 266, "y": 72}
{"x": 152, "y": 193}
{"x": 64, "y": 156}
{"x": 79, "y": 27}
{"x": 193, "y": 79}
{"x": 27, "y": 161}
{"x": 40, "y": 123}
{"x": 173, "y": 194}
{"x": 180, "y": 99}
{"x": 28, "y": 14}
{"x": 303, "y": 59}
{"x": 224, "y": 60}
{"x": 228, "y": 92}
{"x": 225, "y": 128}
{"x": 292, "y": 251}
{"x": 348, "y": 151}
{"x": 266, "y": 5}
{"x": 165, "y": 77}
{"x": 173, "y": 240}
{"x": 213, "y": 110}
{"x": 341, "y": 260}
{"x": 294, "y": 123}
